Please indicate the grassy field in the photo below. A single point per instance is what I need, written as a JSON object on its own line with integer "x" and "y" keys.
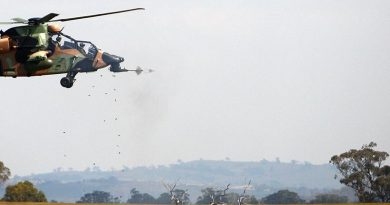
{"x": 36, "y": 203}
{"x": 32, "y": 203}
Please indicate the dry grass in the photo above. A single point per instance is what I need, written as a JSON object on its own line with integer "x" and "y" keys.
{"x": 36, "y": 203}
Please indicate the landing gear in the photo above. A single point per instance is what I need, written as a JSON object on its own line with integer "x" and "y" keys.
{"x": 68, "y": 81}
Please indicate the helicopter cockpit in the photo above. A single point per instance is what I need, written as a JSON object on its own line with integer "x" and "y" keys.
{"x": 87, "y": 48}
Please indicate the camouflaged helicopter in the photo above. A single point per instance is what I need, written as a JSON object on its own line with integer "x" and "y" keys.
{"x": 41, "y": 48}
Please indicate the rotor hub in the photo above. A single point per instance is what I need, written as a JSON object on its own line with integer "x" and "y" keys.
{"x": 33, "y": 21}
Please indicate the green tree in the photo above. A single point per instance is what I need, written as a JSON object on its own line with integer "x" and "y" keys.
{"x": 182, "y": 195}
{"x": 205, "y": 198}
{"x": 283, "y": 197}
{"x": 4, "y": 173}
{"x": 164, "y": 198}
{"x": 135, "y": 196}
{"x": 23, "y": 192}
{"x": 251, "y": 200}
{"x": 363, "y": 171}
{"x": 140, "y": 198}
{"x": 98, "y": 197}
{"x": 232, "y": 198}
{"x": 329, "y": 199}
{"x": 382, "y": 184}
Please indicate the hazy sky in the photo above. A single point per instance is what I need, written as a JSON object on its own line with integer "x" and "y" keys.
{"x": 294, "y": 79}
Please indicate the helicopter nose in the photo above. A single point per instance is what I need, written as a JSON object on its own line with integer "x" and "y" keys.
{"x": 114, "y": 62}
{"x": 112, "y": 59}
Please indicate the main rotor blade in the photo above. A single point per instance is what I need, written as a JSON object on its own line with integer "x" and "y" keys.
{"x": 19, "y": 20}
{"x": 47, "y": 18}
{"x": 9, "y": 23}
{"x": 15, "y": 21}
{"x": 96, "y": 15}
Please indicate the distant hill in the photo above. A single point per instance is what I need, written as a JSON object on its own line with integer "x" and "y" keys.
{"x": 267, "y": 177}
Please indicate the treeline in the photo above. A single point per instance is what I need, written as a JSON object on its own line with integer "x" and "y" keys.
{"x": 26, "y": 192}
{"x": 136, "y": 197}
{"x": 280, "y": 197}
{"x": 363, "y": 170}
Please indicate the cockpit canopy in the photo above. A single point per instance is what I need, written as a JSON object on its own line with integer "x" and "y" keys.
{"x": 85, "y": 47}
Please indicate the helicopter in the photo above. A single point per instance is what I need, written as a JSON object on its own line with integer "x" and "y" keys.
{"x": 39, "y": 47}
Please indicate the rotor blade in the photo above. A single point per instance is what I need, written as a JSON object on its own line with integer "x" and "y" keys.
{"x": 9, "y": 22}
{"x": 47, "y": 18}
{"x": 96, "y": 15}
{"x": 19, "y": 20}
{"x": 15, "y": 21}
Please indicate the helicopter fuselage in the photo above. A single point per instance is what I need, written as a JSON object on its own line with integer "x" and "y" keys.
{"x": 34, "y": 51}
{"x": 38, "y": 49}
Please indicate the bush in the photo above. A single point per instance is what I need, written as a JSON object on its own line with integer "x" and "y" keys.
{"x": 283, "y": 197}
{"x": 23, "y": 192}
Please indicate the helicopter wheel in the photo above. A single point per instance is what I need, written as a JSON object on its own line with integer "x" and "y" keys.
{"x": 66, "y": 82}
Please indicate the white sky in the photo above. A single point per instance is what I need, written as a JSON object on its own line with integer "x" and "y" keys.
{"x": 295, "y": 79}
